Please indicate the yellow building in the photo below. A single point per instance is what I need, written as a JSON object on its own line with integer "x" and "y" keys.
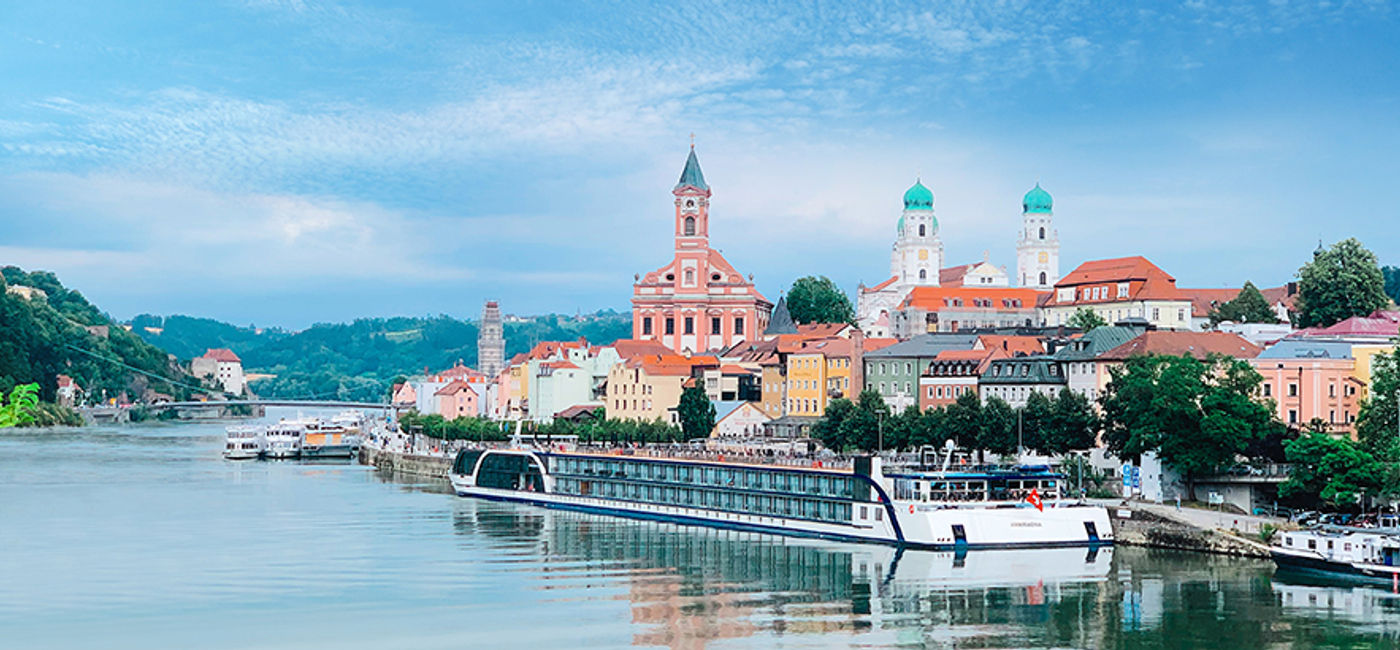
{"x": 649, "y": 387}
{"x": 1365, "y": 360}
{"x": 774, "y": 387}
{"x": 817, "y": 373}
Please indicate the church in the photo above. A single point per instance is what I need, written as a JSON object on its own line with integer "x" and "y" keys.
{"x": 699, "y": 301}
{"x": 917, "y": 258}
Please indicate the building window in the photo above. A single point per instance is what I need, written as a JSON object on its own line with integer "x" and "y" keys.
{"x": 714, "y": 325}
{"x": 1331, "y": 390}
{"x": 670, "y": 325}
{"x": 921, "y": 230}
{"x": 689, "y": 276}
{"x": 690, "y": 226}
{"x": 1293, "y": 390}
{"x": 689, "y": 324}
{"x": 646, "y": 326}
{"x": 738, "y": 324}
{"x": 1156, "y": 313}
{"x": 1042, "y": 282}
{"x": 1181, "y": 315}
{"x": 1268, "y": 390}
{"x": 1292, "y": 416}
{"x": 1042, "y": 232}
{"x": 923, "y": 274}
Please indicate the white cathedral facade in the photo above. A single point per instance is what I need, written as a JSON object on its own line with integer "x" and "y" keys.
{"x": 916, "y": 259}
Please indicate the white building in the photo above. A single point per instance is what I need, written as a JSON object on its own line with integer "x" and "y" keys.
{"x": 915, "y": 261}
{"x": 739, "y": 420}
{"x": 223, "y": 366}
{"x": 1038, "y": 249}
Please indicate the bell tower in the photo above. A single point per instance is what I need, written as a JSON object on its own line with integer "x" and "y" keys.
{"x": 692, "y": 206}
{"x": 1038, "y": 248}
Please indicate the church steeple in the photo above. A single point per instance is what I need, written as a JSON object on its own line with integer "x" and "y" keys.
{"x": 692, "y": 206}
{"x": 691, "y": 175}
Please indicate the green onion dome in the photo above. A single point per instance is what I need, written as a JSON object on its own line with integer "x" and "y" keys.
{"x": 1037, "y": 201}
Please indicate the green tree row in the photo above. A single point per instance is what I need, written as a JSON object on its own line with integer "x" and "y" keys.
{"x": 612, "y": 431}
{"x": 1048, "y": 425}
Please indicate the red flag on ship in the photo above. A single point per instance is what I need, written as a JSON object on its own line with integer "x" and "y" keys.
{"x": 1034, "y": 499}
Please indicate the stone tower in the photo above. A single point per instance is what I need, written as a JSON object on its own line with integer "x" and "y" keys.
{"x": 1038, "y": 249}
{"x": 490, "y": 341}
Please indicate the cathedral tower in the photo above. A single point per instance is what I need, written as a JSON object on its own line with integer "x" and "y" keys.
{"x": 917, "y": 255}
{"x": 490, "y": 343}
{"x": 1038, "y": 249}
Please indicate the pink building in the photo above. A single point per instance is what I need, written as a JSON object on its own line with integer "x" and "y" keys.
{"x": 458, "y": 399}
{"x": 698, "y": 301}
{"x": 1309, "y": 380}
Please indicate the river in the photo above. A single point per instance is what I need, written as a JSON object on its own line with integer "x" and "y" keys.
{"x": 143, "y": 536}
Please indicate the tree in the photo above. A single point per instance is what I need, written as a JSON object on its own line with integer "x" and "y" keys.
{"x": 1086, "y": 319}
{"x": 1249, "y": 306}
{"x": 863, "y": 429}
{"x": 1340, "y": 282}
{"x": 1072, "y": 424}
{"x": 21, "y": 407}
{"x": 962, "y": 421}
{"x": 1392, "y": 282}
{"x": 998, "y": 427}
{"x": 830, "y": 428}
{"x": 1035, "y": 422}
{"x": 696, "y": 413}
{"x": 816, "y": 299}
{"x": 1197, "y": 416}
{"x": 1331, "y": 470}
{"x": 1376, "y": 424}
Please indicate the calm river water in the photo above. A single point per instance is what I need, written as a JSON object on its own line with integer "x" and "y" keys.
{"x": 142, "y": 536}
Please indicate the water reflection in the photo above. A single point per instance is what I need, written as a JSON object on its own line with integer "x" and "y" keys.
{"x": 687, "y": 587}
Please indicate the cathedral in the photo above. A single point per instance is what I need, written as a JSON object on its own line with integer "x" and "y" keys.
{"x": 698, "y": 302}
{"x": 916, "y": 259}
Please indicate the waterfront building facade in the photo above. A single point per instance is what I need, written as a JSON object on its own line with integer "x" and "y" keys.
{"x": 739, "y": 420}
{"x": 952, "y": 374}
{"x": 1038, "y": 247}
{"x": 1119, "y": 289}
{"x": 458, "y": 399}
{"x": 1014, "y": 380}
{"x": 648, "y": 387}
{"x": 895, "y": 371}
{"x": 1311, "y": 380}
{"x": 490, "y": 340}
{"x": 699, "y": 301}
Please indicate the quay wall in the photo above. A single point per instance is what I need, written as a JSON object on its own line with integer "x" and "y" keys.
{"x": 1141, "y": 527}
{"x": 429, "y": 466}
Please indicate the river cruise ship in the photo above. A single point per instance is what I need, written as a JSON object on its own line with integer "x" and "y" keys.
{"x": 1369, "y": 556}
{"x": 243, "y": 442}
{"x": 993, "y": 508}
{"x": 335, "y": 438}
{"x": 283, "y": 440}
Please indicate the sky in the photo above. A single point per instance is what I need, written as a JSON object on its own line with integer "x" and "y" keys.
{"x": 287, "y": 162}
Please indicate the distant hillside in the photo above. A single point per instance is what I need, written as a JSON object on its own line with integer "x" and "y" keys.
{"x": 35, "y": 331}
{"x": 360, "y": 360}
{"x": 187, "y": 337}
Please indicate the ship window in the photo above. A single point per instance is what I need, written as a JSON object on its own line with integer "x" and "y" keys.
{"x": 1312, "y": 545}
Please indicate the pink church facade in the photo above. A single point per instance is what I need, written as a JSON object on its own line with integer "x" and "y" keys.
{"x": 699, "y": 301}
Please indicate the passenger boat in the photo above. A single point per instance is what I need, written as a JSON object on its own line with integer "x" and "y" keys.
{"x": 1369, "y": 556}
{"x": 284, "y": 440}
{"x": 243, "y": 442}
{"x": 322, "y": 439}
{"x": 1015, "y": 507}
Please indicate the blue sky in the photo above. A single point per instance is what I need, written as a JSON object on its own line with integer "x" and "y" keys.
{"x": 286, "y": 162}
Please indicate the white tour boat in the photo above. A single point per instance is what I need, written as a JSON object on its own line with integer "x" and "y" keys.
{"x": 284, "y": 440}
{"x": 993, "y": 508}
{"x": 1369, "y": 556}
{"x": 244, "y": 442}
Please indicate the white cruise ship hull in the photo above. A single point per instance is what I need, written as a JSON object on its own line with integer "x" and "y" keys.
{"x": 880, "y": 520}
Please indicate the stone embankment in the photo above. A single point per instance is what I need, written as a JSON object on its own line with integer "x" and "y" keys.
{"x": 418, "y": 465}
{"x": 1141, "y": 526}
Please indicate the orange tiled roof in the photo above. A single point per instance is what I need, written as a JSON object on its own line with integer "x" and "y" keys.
{"x": 937, "y": 298}
{"x": 222, "y": 354}
{"x": 454, "y": 387}
{"x": 953, "y": 275}
{"x": 1196, "y": 344}
{"x": 545, "y": 349}
{"x": 628, "y": 348}
{"x": 558, "y": 364}
{"x": 882, "y": 285}
{"x": 871, "y": 345}
{"x": 1145, "y": 282}
{"x": 822, "y": 330}
{"x": 1013, "y": 344}
{"x": 1205, "y": 300}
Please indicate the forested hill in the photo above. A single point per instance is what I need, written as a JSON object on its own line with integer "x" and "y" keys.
{"x": 359, "y": 360}
{"x": 187, "y": 337}
{"x": 36, "y": 330}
